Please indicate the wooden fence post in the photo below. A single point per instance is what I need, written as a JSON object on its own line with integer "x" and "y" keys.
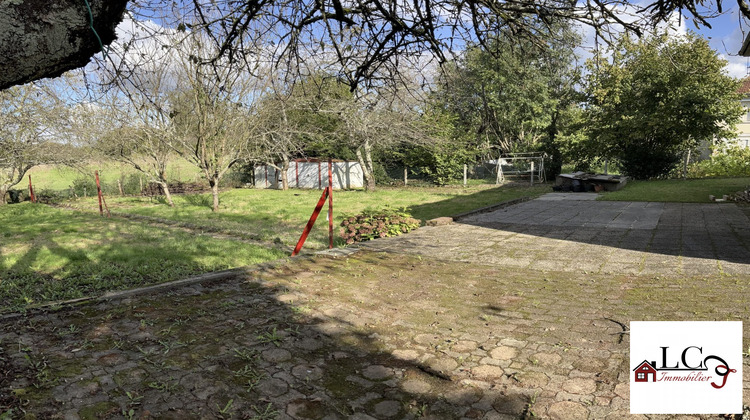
{"x": 31, "y": 191}
{"x": 532, "y": 173}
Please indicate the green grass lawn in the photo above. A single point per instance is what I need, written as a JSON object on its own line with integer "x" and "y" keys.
{"x": 49, "y": 254}
{"x": 279, "y": 216}
{"x": 678, "y": 190}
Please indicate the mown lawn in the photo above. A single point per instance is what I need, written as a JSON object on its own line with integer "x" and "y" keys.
{"x": 279, "y": 216}
{"x": 678, "y": 190}
{"x": 49, "y": 254}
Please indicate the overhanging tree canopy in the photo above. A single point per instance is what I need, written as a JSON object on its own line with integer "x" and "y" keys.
{"x": 39, "y": 38}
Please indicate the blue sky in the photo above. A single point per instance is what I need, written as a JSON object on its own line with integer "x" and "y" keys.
{"x": 726, "y": 37}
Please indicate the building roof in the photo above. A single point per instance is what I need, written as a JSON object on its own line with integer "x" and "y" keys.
{"x": 744, "y": 87}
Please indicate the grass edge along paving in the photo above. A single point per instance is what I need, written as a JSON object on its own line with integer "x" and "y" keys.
{"x": 49, "y": 254}
{"x": 677, "y": 190}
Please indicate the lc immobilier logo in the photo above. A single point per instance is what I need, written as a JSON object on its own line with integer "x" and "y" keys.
{"x": 685, "y": 367}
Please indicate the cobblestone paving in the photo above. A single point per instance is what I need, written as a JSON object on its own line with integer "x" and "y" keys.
{"x": 370, "y": 336}
{"x": 580, "y": 235}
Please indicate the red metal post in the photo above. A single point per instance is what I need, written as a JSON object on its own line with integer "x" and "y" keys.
{"x": 31, "y": 191}
{"x": 310, "y": 222}
{"x": 330, "y": 205}
{"x": 99, "y": 193}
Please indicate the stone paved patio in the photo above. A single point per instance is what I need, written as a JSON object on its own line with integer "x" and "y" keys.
{"x": 570, "y": 232}
{"x": 392, "y": 335}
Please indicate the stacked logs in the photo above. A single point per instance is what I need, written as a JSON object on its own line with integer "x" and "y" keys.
{"x": 741, "y": 196}
{"x": 154, "y": 189}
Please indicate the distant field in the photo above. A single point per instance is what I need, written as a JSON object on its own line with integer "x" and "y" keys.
{"x": 678, "y": 190}
{"x": 280, "y": 216}
{"x": 59, "y": 177}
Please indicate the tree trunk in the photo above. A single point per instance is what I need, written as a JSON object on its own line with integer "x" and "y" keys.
{"x": 370, "y": 167}
{"x": 167, "y": 194}
{"x": 56, "y": 36}
{"x": 366, "y": 174}
{"x": 685, "y": 164}
{"x": 165, "y": 187}
{"x": 3, "y": 191}
{"x": 214, "y": 182}
{"x": 284, "y": 172}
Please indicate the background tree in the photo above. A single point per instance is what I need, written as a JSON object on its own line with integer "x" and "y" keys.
{"x": 213, "y": 112}
{"x": 511, "y": 96}
{"x": 381, "y": 120}
{"x": 32, "y": 122}
{"x": 137, "y": 112}
{"x": 657, "y": 98}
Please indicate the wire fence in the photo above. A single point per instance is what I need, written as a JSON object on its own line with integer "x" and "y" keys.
{"x": 513, "y": 168}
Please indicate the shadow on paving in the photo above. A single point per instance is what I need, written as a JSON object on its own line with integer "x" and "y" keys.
{"x": 593, "y": 236}
{"x": 704, "y": 231}
{"x": 370, "y": 336}
{"x": 245, "y": 348}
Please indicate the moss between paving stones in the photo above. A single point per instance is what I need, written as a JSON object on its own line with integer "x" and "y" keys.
{"x": 189, "y": 352}
{"x": 99, "y": 410}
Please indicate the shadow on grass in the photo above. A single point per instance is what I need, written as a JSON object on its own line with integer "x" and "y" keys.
{"x": 57, "y": 255}
{"x": 198, "y": 200}
{"x": 242, "y": 349}
{"x": 463, "y": 203}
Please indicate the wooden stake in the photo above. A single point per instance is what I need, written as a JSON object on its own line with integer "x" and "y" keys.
{"x": 99, "y": 193}
{"x": 31, "y": 191}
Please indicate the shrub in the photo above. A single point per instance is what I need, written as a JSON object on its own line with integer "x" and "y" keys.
{"x": 371, "y": 224}
{"x": 646, "y": 161}
{"x": 47, "y": 196}
{"x": 731, "y": 161}
{"x": 84, "y": 186}
{"x": 131, "y": 184}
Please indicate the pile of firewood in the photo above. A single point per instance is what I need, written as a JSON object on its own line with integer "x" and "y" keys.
{"x": 154, "y": 189}
{"x": 741, "y": 196}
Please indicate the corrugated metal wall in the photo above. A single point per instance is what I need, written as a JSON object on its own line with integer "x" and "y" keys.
{"x": 312, "y": 175}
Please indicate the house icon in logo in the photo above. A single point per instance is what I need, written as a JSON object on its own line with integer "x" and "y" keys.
{"x": 643, "y": 370}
